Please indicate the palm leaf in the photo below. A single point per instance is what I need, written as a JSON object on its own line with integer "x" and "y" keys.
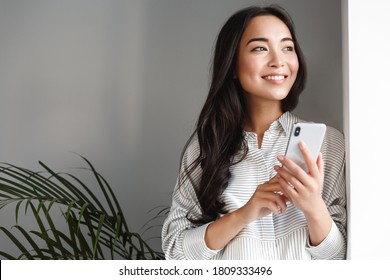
{"x": 16, "y": 241}
{"x": 91, "y": 226}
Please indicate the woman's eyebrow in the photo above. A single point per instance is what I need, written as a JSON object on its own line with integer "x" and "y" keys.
{"x": 262, "y": 39}
{"x": 287, "y": 39}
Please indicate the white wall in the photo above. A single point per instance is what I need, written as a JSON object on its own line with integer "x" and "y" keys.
{"x": 367, "y": 120}
{"x": 122, "y": 82}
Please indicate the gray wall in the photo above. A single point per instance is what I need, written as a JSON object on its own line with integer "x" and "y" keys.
{"x": 122, "y": 83}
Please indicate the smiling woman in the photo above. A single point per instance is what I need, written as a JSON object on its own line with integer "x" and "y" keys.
{"x": 267, "y": 63}
{"x": 232, "y": 199}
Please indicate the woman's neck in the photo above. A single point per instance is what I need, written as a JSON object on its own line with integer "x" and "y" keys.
{"x": 261, "y": 115}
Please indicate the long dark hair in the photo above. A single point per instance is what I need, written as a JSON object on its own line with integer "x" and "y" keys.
{"x": 219, "y": 129}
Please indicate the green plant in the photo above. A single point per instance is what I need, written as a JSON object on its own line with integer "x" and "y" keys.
{"x": 94, "y": 229}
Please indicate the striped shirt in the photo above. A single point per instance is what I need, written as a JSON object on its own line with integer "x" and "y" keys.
{"x": 273, "y": 237}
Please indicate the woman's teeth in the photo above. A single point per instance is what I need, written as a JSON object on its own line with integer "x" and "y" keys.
{"x": 276, "y": 78}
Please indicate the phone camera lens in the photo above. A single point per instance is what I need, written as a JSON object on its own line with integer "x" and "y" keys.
{"x": 297, "y": 131}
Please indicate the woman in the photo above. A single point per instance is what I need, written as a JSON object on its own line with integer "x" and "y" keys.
{"x": 233, "y": 200}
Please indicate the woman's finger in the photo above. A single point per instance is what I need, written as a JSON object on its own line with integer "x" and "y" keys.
{"x": 276, "y": 203}
{"x": 307, "y": 156}
{"x": 270, "y": 196}
{"x": 292, "y": 168}
{"x": 289, "y": 190}
{"x": 270, "y": 187}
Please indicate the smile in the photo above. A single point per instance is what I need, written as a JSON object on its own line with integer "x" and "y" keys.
{"x": 274, "y": 78}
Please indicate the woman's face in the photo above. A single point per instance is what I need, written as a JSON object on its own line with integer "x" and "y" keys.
{"x": 267, "y": 64}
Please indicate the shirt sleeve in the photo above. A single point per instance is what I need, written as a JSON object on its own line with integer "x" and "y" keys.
{"x": 180, "y": 238}
{"x": 334, "y": 195}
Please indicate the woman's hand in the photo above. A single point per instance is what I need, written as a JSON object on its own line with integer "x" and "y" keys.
{"x": 265, "y": 200}
{"x": 303, "y": 189}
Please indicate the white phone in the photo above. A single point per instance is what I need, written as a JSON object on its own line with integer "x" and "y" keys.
{"x": 313, "y": 136}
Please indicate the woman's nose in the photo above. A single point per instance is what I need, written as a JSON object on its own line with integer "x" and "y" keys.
{"x": 276, "y": 60}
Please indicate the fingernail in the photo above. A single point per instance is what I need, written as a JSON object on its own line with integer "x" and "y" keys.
{"x": 276, "y": 167}
{"x": 280, "y": 158}
{"x": 303, "y": 145}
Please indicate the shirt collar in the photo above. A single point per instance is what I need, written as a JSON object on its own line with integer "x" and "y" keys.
{"x": 284, "y": 123}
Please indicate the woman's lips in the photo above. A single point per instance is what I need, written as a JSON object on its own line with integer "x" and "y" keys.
{"x": 274, "y": 77}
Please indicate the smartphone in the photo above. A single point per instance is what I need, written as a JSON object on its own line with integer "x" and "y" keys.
{"x": 313, "y": 136}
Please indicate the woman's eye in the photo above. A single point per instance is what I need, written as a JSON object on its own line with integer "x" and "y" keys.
{"x": 289, "y": 49}
{"x": 259, "y": 49}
